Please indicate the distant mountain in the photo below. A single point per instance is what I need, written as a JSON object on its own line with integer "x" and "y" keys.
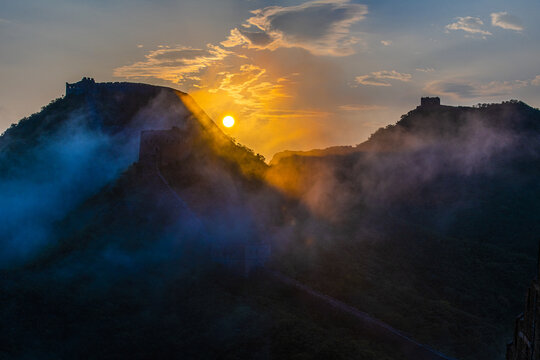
{"x": 333, "y": 150}
{"x": 431, "y": 226}
{"x": 432, "y": 124}
{"x": 436, "y": 218}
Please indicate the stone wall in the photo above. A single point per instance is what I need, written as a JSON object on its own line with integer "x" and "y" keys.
{"x": 86, "y": 85}
{"x": 430, "y": 101}
{"x": 162, "y": 147}
{"x": 526, "y": 342}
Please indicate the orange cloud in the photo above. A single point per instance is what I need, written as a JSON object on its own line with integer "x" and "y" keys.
{"x": 173, "y": 64}
{"x": 377, "y": 78}
{"x": 267, "y": 74}
{"x": 268, "y": 118}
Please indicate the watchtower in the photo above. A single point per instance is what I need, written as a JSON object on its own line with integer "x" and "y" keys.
{"x": 430, "y": 101}
{"x": 84, "y": 86}
{"x": 526, "y": 342}
{"x": 161, "y": 147}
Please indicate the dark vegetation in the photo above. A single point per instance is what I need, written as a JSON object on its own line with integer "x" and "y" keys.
{"x": 431, "y": 226}
{"x": 140, "y": 285}
{"x": 198, "y": 313}
{"x": 126, "y": 273}
{"x": 439, "y": 233}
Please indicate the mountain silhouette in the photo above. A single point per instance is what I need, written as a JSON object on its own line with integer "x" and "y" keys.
{"x": 109, "y": 242}
{"x": 436, "y": 212}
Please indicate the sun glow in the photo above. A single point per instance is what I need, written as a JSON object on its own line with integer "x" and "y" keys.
{"x": 228, "y": 121}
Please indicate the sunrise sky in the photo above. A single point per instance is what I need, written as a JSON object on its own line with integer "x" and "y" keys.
{"x": 295, "y": 75}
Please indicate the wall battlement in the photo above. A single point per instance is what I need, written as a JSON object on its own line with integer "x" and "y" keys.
{"x": 85, "y": 86}
{"x": 162, "y": 147}
{"x": 526, "y": 341}
{"x": 430, "y": 101}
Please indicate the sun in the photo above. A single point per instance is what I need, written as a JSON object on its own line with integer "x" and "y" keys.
{"x": 228, "y": 121}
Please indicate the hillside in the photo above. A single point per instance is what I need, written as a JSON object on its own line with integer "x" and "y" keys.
{"x": 434, "y": 223}
{"x": 99, "y": 259}
{"x": 77, "y": 144}
{"x": 431, "y": 226}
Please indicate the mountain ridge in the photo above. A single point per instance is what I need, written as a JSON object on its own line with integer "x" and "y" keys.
{"x": 430, "y": 229}
{"x": 413, "y": 120}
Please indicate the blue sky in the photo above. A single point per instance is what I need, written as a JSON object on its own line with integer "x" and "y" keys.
{"x": 296, "y": 75}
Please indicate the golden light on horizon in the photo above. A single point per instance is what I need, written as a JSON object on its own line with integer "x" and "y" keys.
{"x": 228, "y": 121}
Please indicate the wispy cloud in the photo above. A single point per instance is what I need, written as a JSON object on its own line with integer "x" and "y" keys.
{"x": 469, "y": 24}
{"x": 425, "y": 70}
{"x": 249, "y": 87}
{"x": 251, "y": 39}
{"x": 462, "y": 89}
{"x": 174, "y": 64}
{"x": 386, "y": 42}
{"x": 321, "y": 27}
{"x": 506, "y": 21}
{"x": 357, "y": 107}
{"x": 377, "y": 78}
{"x": 536, "y": 81}
{"x": 266, "y": 89}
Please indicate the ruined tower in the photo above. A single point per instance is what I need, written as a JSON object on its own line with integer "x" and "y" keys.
{"x": 526, "y": 342}
{"x": 430, "y": 101}
{"x": 85, "y": 86}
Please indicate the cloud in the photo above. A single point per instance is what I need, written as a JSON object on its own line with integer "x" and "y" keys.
{"x": 375, "y": 78}
{"x": 248, "y": 86}
{"x": 277, "y": 98}
{"x": 268, "y": 73}
{"x": 321, "y": 27}
{"x": 370, "y": 80}
{"x": 392, "y": 75}
{"x": 536, "y": 81}
{"x": 253, "y": 39}
{"x": 386, "y": 42}
{"x": 469, "y": 24}
{"x": 176, "y": 64}
{"x": 506, "y": 21}
{"x": 461, "y": 89}
{"x": 358, "y": 107}
{"x": 425, "y": 70}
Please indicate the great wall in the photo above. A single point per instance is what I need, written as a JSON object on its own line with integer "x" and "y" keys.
{"x": 159, "y": 148}
{"x": 162, "y": 146}
{"x": 526, "y": 342}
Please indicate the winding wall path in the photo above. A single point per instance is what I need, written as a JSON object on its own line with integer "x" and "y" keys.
{"x": 379, "y": 330}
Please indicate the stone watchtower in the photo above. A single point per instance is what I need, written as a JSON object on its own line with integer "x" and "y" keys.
{"x": 430, "y": 101}
{"x": 526, "y": 342}
{"x": 85, "y": 86}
